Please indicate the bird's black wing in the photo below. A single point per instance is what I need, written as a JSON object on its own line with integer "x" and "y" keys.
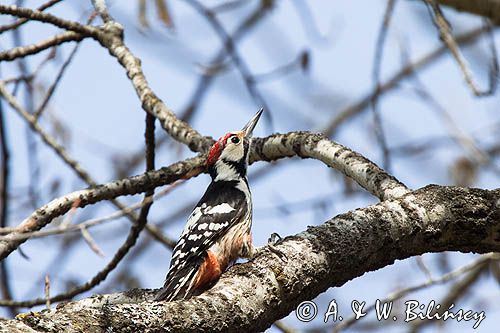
{"x": 222, "y": 205}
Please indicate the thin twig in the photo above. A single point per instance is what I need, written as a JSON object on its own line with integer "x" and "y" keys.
{"x": 445, "y": 34}
{"x": 480, "y": 262}
{"x": 36, "y": 15}
{"x": 23, "y": 51}
{"x": 237, "y": 60}
{"x": 47, "y": 291}
{"x": 60, "y": 151}
{"x": 20, "y": 22}
{"x": 91, "y": 242}
{"x": 423, "y": 267}
{"x": 285, "y": 69}
{"x": 377, "y": 66}
{"x": 358, "y": 107}
{"x": 53, "y": 87}
{"x": 4, "y": 202}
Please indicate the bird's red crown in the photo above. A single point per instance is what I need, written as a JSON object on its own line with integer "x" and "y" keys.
{"x": 216, "y": 149}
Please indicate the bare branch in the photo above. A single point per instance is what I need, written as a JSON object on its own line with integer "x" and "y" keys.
{"x": 307, "y": 145}
{"x": 398, "y": 294}
{"x": 348, "y": 113}
{"x": 445, "y": 34}
{"x": 23, "y": 51}
{"x": 277, "y": 146}
{"x": 36, "y": 15}
{"x": 112, "y": 39}
{"x": 133, "y": 185}
{"x": 251, "y": 296}
{"x": 102, "y": 9}
{"x": 20, "y": 22}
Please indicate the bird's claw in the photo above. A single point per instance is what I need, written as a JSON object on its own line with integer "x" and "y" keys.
{"x": 274, "y": 238}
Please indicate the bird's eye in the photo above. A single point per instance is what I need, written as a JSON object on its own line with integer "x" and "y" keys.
{"x": 235, "y": 140}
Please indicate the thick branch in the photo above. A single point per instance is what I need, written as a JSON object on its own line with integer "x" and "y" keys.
{"x": 307, "y": 145}
{"x": 486, "y": 8}
{"x": 303, "y": 144}
{"x": 128, "y": 186}
{"x": 251, "y": 296}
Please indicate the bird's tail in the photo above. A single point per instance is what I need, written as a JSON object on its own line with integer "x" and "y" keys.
{"x": 179, "y": 285}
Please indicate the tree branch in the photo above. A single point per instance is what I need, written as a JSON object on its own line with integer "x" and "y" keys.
{"x": 36, "y": 15}
{"x": 20, "y": 22}
{"x": 111, "y": 38}
{"x": 133, "y": 185}
{"x": 486, "y": 8}
{"x": 251, "y": 296}
{"x": 348, "y": 113}
{"x": 303, "y": 144}
{"x": 23, "y": 51}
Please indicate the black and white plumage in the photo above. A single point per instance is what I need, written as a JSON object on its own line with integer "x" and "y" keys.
{"x": 218, "y": 231}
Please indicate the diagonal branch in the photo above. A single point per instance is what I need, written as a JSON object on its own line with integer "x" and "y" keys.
{"x": 110, "y": 35}
{"x": 133, "y": 185}
{"x": 37, "y": 15}
{"x": 444, "y": 29}
{"x": 20, "y": 22}
{"x": 359, "y": 106}
{"x": 250, "y": 297}
{"x": 23, "y": 51}
{"x": 486, "y": 8}
{"x": 303, "y": 144}
{"x": 63, "y": 154}
{"x": 112, "y": 39}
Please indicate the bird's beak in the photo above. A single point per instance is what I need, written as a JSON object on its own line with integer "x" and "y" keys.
{"x": 248, "y": 129}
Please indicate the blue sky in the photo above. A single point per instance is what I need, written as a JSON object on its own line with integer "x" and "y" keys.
{"x": 99, "y": 108}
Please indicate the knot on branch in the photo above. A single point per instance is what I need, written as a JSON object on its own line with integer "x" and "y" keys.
{"x": 111, "y": 34}
{"x": 113, "y": 28}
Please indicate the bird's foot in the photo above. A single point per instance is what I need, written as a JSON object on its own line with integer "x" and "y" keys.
{"x": 274, "y": 239}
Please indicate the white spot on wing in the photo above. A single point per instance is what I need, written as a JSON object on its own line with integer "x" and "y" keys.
{"x": 193, "y": 218}
{"x": 194, "y": 237}
{"x": 220, "y": 209}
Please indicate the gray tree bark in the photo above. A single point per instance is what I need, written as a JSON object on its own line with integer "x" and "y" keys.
{"x": 251, "y": 296}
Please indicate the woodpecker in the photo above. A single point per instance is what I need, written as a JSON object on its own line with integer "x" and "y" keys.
{"x": 218, "y": 230}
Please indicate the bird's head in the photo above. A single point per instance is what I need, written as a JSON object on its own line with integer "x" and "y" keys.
{"x": 228, "y": 157}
